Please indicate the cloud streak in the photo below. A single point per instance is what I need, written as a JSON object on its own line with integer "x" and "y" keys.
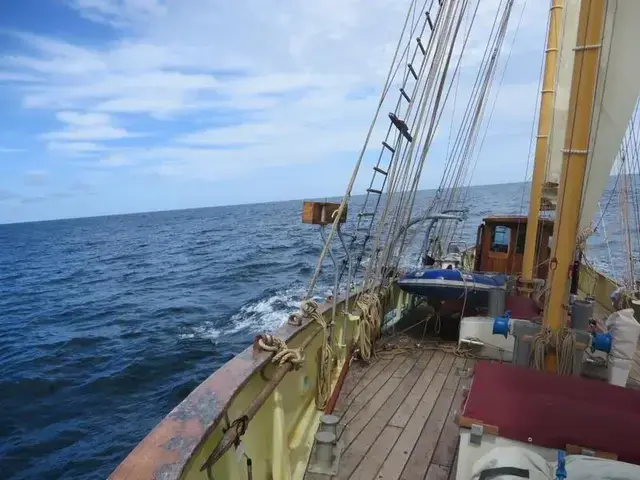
{"x": 208, "y": 90}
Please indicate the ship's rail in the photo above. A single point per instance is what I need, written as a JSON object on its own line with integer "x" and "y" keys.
{"x": 598, "y": 285}
{"x": 278, "y": 438}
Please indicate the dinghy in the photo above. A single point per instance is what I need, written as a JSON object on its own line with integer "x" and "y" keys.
{"x": 449, "y": 284}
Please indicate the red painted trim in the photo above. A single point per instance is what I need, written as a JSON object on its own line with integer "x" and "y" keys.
{"x": 331, "y": 404}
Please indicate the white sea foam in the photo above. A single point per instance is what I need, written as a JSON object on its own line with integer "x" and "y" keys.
{"x": 205, "y": 330}
{"x": 265, "y": 315}
{"x": 269, "y": 314}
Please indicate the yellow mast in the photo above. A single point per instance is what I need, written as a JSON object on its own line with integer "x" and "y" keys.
{"x": 574, "y": 161}
{"x": 544, "y": 129}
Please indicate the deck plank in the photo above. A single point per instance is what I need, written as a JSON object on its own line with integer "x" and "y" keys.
{"x": 359, "y": 445}
{"x": 454, "y": 466}
{"x": 370, "y": 390}
{"x": 401, "y": 417}
{"x": 364, "y": 416}
{"x": 355, "y": 374}
{"x": 437, "y": 472}
{"x": 371, "y": 463}
{"x": 363, "y": 376}
{"x": 448, "y": 443}
{"x": 395, "y": 462}
{"x": 405, "y": 367}
{"x": 420, "y": 459}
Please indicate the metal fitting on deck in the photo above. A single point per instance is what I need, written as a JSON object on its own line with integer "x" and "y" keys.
{"x": 329, "y": 423}
{"x": 325, "y": 441}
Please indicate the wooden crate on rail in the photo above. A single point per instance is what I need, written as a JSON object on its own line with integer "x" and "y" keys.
{"x": 321, "y": 213}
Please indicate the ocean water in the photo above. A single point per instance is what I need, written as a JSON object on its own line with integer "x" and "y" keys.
{"x": 107, "y": 323}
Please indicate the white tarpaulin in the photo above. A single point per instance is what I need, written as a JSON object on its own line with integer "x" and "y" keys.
{"x": 517, "y": 463}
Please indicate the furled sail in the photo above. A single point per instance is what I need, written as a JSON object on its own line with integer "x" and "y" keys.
{"x": 617, "y": 91}
{"x": 567, "y": 41}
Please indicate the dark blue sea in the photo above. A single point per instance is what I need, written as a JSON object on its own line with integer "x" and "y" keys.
{"x": 107, "y": 323}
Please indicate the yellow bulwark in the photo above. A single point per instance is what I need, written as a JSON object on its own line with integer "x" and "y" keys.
{"x": 544, "y": 129}
{"x": 574, "y": 161}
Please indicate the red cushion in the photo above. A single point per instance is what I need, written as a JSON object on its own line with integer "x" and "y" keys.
{"x": 555, "y": 410}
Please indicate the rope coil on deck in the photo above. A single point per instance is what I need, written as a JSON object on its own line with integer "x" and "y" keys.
{"x": 282, "y": 353}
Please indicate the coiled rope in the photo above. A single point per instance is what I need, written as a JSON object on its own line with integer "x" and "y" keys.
{"x": 324, "y": 356}
{"x": 565, "y": 341}
{"x": 370, "y": 304}
{"x": 562, "y": 340}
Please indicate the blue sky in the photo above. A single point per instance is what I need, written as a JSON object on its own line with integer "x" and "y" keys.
{"x": 115, "y": 106}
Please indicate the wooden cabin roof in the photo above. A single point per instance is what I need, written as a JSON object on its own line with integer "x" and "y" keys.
{"x": 513, "y": 219}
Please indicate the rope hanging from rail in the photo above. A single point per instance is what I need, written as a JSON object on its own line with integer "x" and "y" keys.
{"x": 371, "y": 304}
{"x": 324, "y": 356}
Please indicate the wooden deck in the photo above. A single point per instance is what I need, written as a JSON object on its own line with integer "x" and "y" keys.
{"x": 398, "y": 417}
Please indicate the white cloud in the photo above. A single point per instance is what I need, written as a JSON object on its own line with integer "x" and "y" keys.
{"x": 83, "y": 127}
{"x": 115, "y": 161}
{"x": 75, "y": 147}
{"x": 18, "y": 77}
{"x": 84, "y": 119}
{"x": 253, "y": 84}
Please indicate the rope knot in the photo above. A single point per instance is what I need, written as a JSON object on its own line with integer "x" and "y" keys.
{"x": 269, "y": 343}
{"x": 282, "y": 353}
{"x": 240, "y": 424}
{"x": 292, "y": 355}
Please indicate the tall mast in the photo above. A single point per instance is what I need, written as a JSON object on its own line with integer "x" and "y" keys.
{"x": 574, "y": 159}
{"x": 544, "y": 129}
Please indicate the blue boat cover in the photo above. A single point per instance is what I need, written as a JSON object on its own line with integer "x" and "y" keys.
{"x": 488, "y": 279}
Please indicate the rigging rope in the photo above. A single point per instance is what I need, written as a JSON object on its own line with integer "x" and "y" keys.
{"x": 345, "y": 200}
{"x": 411, "y": 166}
{"x": 466, "y": 140}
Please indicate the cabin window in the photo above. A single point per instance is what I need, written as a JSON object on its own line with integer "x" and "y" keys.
{"x": 500, "y": 239}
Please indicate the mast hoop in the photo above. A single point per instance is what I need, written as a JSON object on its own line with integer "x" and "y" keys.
{"x": 581, "y": 48}
{"x": 573, "y": 151}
